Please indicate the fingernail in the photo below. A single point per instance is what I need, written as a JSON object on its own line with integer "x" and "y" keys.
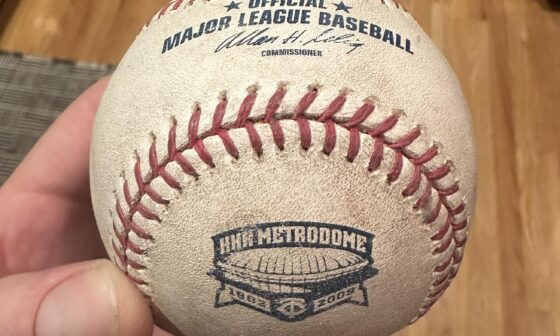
{"x": 84, "y": 304}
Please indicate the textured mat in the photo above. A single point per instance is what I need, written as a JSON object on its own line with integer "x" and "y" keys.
{"x": 33, "y": 92}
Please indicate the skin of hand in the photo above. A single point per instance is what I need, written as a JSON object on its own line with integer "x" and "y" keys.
{"x": 53, "y": 278}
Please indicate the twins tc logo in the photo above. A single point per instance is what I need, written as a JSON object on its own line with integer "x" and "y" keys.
{"x": 292, "y": 270}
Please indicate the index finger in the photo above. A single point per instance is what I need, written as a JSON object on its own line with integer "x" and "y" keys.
{"x": 61, "y": 155}
{"x": 46, "y": 218}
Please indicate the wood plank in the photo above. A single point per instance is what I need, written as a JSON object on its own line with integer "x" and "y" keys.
{"x": 87, "y": 30}
{"x": 7, "y": 8}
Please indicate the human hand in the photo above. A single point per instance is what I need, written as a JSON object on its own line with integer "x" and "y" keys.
{"x": 52, "y": 281}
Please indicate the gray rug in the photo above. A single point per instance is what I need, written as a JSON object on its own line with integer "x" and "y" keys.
{"x": 33, "y": 92}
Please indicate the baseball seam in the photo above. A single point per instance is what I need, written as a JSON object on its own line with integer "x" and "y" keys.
{"x": 175, "y": 5}
{"x": 449, "y": 238}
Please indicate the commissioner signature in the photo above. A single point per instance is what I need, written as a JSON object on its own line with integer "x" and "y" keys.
{"x": 262, "y": 36}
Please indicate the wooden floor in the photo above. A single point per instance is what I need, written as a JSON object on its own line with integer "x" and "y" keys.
{"x": 507, "y": 55}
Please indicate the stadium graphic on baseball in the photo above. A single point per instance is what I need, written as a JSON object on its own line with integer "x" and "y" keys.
{"x": 293, "y": 270}
{"x": 285, "y": 167}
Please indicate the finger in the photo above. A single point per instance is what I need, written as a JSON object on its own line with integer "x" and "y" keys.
{"x": 46, "y": 217}
{"x": 62, "y": 153}
{"x": 38, "y": 232}
{"x": 88, "y": 299}
{"x": 160, "y": 332}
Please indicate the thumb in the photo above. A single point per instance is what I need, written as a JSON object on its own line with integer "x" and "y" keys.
{"x": 90, "y": 299}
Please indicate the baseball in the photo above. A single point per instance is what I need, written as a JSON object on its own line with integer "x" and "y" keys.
{"x": 285, "y": 167}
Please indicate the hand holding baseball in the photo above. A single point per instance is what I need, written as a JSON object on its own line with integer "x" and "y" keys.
{"x": 263, "y": 167}
{"x": 46, "y": 221}
{"x": 284, "y": 168}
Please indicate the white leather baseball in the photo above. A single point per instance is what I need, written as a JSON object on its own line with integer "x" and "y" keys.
{"x": 285, "y": 167}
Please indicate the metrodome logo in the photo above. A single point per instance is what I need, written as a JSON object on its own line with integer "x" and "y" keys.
{"x": 292, "y": 270}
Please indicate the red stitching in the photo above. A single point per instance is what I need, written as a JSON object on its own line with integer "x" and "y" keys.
{"x": 154, "y": 195}
{"x": 146, "y": 213}
{"x": 443, "y": 266}
{"x": 330, "y": 137}
{"x": 423, "y": 200}
{"x": 139, "y": 231}
{"x": 119, "y": 254}
{"x": 384, "y": 126}
{"x": 397, "y": 167}
{"x": 184, "y": 164}
{"x": 433, "y": 297}
{"x": 426, "y": 157}
{"x": 443, "y": 230}
{"x": 274, "y": 104}
{"x": 334, "y": 107}
{"x": 255, "y": 138}
{"x": 406, "y": 140}
{"x": 304, "y": 103}
{"x": 450, "y": 190}
{"x": 354, "y": 145}
{"x": 136, "y": 279}
{"x": 138, "y": 176}
{"x": 246, "y": 106}
{"x": 458, "y": 209}
{"x": 376, "y": 155}
{"x": 447, "y": 235}
{"x": 460, "y": 226}
{"x": 277, "y": 133}
{"x": 124, "y": 220}
{"x": 414, "y": 183}
{"x": 203, "y": 153}
{"x": 135, "y": 265}
{"x": 440, "y": 281}
{"x": 434, "y": 214}
{"x": 444, "y": 246}
{"x": 122, "y": 237}
{"x": 127, "y": 195}
{"x": 304, "y": 132}
{"x": 170, "y": 180}
{"x": 460, "y": 242}
{"x": 134, "y": 248}
{"x": 438, "y": 173}
{"x": 361, "y": 115}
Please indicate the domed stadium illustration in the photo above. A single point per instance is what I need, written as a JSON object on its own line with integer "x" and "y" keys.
{"x": 292, "y": 270}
